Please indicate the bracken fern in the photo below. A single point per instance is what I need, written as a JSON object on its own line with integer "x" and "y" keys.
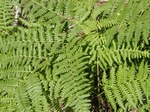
{"x": 53, "y": 50}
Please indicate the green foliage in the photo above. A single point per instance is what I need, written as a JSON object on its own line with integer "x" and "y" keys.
{"x": 127, "y": 86}
{"x": 50, "y": 51}
{"x": 6, "y": 16}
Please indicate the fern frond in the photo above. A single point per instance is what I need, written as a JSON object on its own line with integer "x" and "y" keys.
{"x": 6, "y": 16}
{"x": 110, "y": 97}
{"x": 22, "y": 98}
{"x": 127, "y": 86}
{"x": 72, "y": 80}
{"x": 34, "y": 90}
{"x": 46, "y": 51}
{"x": 138, "y": 91}
{"x": 119, "y": 98}
{"x": 122, "y": 25}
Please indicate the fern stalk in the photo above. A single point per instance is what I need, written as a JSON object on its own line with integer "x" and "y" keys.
{"x": 98, "y": 86}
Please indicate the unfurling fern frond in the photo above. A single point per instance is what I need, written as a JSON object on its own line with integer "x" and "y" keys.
{"x": 126, "y": 88}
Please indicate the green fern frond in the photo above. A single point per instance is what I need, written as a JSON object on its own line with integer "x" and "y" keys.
{"x": 6, "y": 16}
{"x": 72, "y": 80}
{"x": 127, "y": 86}
{"x": 127, "y": 95}
{"x": 110, "y": 97}
{"x": 138, "y": 91}
{"x": 119, "y": 98}
{"x": 6, "y": 9}
{"x": 34, "y": 90}
{"x": 22, "y": 98}
{"x": 47, "y": 54}
{"x": 123, "y": 23}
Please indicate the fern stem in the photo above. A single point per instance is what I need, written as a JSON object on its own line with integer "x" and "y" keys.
{"x": 98, "y": 85}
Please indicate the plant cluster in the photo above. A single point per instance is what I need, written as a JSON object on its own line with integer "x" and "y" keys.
{"x": 56, "y": 54}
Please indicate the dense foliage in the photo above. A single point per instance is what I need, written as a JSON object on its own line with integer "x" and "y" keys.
{"x": 61, "y": 55}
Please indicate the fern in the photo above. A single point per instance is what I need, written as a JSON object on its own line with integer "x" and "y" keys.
{"x": 51, "y": 53}
{"x": 126, "y": 89}
{"x": 6, "y": 16}
{"x": 70, "y": 80}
